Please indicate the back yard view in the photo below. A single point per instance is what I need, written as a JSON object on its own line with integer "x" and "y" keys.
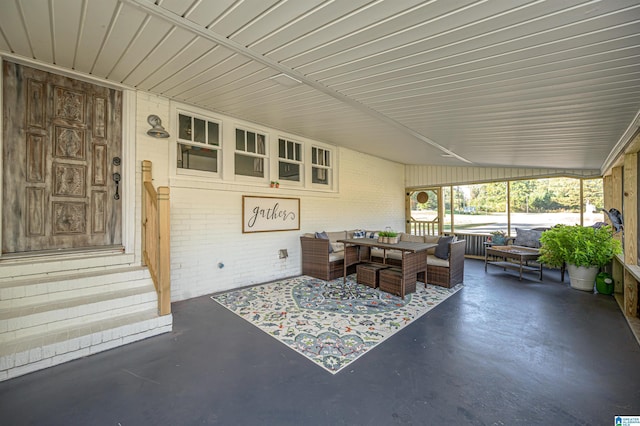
{"x": 482, "y": 208}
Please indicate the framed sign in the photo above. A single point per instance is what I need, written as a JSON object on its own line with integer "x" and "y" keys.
{"x": 267, "y": 214}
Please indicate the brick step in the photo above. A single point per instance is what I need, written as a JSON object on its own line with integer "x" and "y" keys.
{"x": 34, "y": 267}
{"x": 22, "y": 321}
{"x": 44, "y": 289}
{"x": 46, "y": 349}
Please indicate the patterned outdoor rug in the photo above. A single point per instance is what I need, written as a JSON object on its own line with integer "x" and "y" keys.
{"x": 329, "y": 322}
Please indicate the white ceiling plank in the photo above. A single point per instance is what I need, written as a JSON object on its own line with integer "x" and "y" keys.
{"x": 307, "y": 26}
{"x": 351, "y": 23}
{"x": 236, "y": 18}
{"x": 237, "y": 79}
{"x": 94, "y": 28}
{"x": 197, "y": 72}
{"x": 565, "y": 61}
{"x": 448, "y": 50}
{"x": 206, "y": 12}
{"x": 38, "y": 23}
{"x": 308, "y": 54}
{"x": 208, "y": 75}
{"x": 194, "y": 49}
{"x": 273, "y": 20}
{"x": 11, "y": 24}
{"x": 125, "y": 26}
{"x": 151, "y": 34}
{"x": 164, "y": 52}
{"x": 450, "y": 24}
{"x": 66, "y": 23}
{"x": 4, "y": 45}
{"x": 179, "y": 7}
{"x": 496, "y": 82}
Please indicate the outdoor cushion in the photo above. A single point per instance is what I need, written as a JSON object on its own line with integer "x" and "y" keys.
{"x": 323, "y": 235}
{"x": 412, "y": 238}
{"x": 431, "y": 239}
{"x": 337, "y": 235}
{"x": 336, "y": 256}
{"x": 442, "y": 251}
{"x": 527, "y": 238}
{"x": 436, "y": 261}
{"x": 337, "y": 247}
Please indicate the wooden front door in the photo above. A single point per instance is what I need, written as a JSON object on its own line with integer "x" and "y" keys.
{"x": 62, "y": 144}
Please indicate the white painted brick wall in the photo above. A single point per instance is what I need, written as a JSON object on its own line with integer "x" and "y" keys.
{"x": 206, "y": 226}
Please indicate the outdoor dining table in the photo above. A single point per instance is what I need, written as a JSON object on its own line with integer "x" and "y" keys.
{"x": 414, "y": 256}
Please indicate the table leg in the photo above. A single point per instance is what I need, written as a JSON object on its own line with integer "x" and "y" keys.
{"x": 520, "y": 269}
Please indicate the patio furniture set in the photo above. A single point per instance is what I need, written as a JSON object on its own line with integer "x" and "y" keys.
{"x": 395, "y": 268}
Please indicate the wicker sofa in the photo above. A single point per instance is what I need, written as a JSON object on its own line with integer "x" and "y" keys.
{"x": 319, "y": 262}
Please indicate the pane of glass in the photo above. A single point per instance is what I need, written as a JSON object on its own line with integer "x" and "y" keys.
{"x": 479, "y": 209}
{"x": 314, "y": 155}
{"x": 199, "y": 134}
{"x": 240, "y": 140}
{"x": 251, "y": 142}
{"x": 327, "y": 158}
{"x": 197, "y": 158}
{"x": 543, "y": 203}
{"x": 298, "y": 156}
{"x": 184, "y": 127}
{"x": 260, "y": 142}
{"x": 446, "y": 199}
{"x": 246, "y": 165}
{"x": 282, "y": 149}
{"x": 593, "y": 196}
{"x": 288, "y": 171}
{"x": 290, "y": 150}
{"x": 319, "y": 175}
{"x": 214, "y": 133}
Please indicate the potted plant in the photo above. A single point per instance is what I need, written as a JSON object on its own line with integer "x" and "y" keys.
{"x": 498, "y": 238}
{"x": 392, "y": 237}
{"x": 382, "y": 237}
{"x": 584, "y": 249}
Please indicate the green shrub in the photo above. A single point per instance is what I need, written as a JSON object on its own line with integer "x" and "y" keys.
{"x": 578, "y": 245}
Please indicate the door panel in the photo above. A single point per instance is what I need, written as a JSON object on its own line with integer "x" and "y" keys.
{"x": 60, "y": 136}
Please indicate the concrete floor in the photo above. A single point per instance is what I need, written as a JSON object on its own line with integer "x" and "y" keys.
{"x": 499, "y": 352}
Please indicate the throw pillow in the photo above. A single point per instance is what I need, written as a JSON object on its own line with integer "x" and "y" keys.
{"x": 442, "y": 251}
{"x": 359, "y": 233}
{"x": 372, "y": 234}
{"x": 323, "y": 235}
{"x": 527, "y": 238}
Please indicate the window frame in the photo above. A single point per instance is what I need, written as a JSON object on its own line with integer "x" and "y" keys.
{"x": 219, "y": 148}
{"x": 265, "y": 157}
{"x": 301, "y": 163}
{"x": 329, "y": 168}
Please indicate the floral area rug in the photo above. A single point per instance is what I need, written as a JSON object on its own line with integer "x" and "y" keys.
{"x": 329, "y": 322}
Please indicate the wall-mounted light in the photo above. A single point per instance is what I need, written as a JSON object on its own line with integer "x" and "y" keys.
{"x": 156, "y": 130}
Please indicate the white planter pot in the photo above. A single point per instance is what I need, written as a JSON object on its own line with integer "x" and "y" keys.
{"x": 582, "y": 277}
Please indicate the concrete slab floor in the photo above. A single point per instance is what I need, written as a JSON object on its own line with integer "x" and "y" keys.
{"x": 499, "y": 352}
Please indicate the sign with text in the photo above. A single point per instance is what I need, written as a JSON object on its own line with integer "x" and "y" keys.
{"x": 266, "y": 214}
